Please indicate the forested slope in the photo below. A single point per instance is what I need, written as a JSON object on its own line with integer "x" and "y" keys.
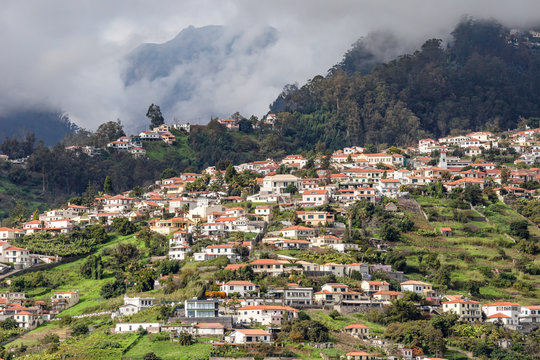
{"x": 484, "y": 79}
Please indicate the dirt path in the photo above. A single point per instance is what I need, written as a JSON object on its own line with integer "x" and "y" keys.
{"x": 466, "y": 353}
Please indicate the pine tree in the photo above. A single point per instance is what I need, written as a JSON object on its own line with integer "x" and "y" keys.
{"x": 230, "y": 174}
{"x": 35, "y": 216}
{"x": 155, "y": 116}
{"x": 107, "y": 185}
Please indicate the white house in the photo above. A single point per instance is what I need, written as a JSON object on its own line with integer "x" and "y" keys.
{"x": 264, "y": 211}
{"x": 265, "y": 314}
{"x": 358, "y": 330}
{"x": 295, "y": 295}
{"x": 418, "y": 287}
{"x": 335, "y": 268}
{"x": 238, "y": 286}
{"x": 210, "y": 329}
{"x": 315, "y": 197}
{"x": 134, "y": 305}
{"x": 530, "y": 314}
{"x": 276, "y": 184}
{"x": 71, "y": 297}
{"x": 134, "y": 327}
{"x": 26, "y": 320}
{"x": 270, "y": 266}
{"x": 335, "y": 294}
{"x": 213, "y": 251}
{"x": 118, "y": 203}
{"x": 32, "y": 227}
{"x": 178, "y": 252}
{"x": 388, "y": 186}
{"x": 248, "y": 336}
{"x": 370, "y": 287}
{"x": 424, "y": 145}
{"x": 468, "y": 310}
{"x": 10, "y": 234}
{"x": 149, "y": 136}
{"x": 510, "y": 310}
{"x": 297, "y": 232}
{"x": 195, "y": 308}
{"x": 19, "y": 257}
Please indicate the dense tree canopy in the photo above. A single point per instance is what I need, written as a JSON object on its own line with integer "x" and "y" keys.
{"x": 479, "y": 82}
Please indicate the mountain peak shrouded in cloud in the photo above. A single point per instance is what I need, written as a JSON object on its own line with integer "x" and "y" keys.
{"x": 199, "y": 63}
{"x": 211, "y": 43}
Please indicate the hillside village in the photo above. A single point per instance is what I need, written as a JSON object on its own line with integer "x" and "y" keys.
{"x": 284, "y": 238}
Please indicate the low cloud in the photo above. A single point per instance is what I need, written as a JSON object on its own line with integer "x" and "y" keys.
{"x": 72, "y": 55}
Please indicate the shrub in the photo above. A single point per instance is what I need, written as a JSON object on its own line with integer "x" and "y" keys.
{"x": 66, "y": 320}
{"x": 8, "y": 324}
{"x": 520, "y": 228}
{"x": 124, "y": 226}
{"x": 162, "y": 336}
{"x": 390, "y": 233}
{"x": 428, "y": 233}
{"x": 484, "y": 270}
{"x": 296, "y": 337}
{"x": 113, "y": 289}
{"x": 52, "y": 348}
{"x": 50, "y": 339}
{"x": 185, "y": 339}
{"x": 528, "y": 247}
{"x": 80, "y": 329}
{"x": 151, "y": 356}
{"x": 108, "y": 345}
{"x": 334, "y": 314}
{"x": 406, "y": 224}
{"x": 472, "y": 229}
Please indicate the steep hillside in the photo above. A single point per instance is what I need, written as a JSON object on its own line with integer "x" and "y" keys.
{"x": 484, "y": 79}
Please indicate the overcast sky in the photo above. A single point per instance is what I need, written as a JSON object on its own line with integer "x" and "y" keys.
{"x": 69, "y": 54}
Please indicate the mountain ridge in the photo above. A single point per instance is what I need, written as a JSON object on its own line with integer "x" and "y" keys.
{"x": 484, "y": 79}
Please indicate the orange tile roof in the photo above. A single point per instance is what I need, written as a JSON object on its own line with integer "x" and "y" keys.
{"x": 502, "y": 304}
{"x": 211, "y": 325}
{"x": 388, "y": 292}
{"x": 252, "y": 331}
{"x": 357, "y": 353}
{"x": 239, "y": 282}
{"x": 268, "y": 307}
{"x": 233, "y": 267}
{"x": 356, "y": 326}
{"x": 265, "y": 262}
{"x": 498, "y": 316}
{"x": 461, "y": 301}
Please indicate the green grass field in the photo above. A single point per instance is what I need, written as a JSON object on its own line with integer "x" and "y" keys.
{"x": 168, "y": 350}
{"x": 344, "y": 320}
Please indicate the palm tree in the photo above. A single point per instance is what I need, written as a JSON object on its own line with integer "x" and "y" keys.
{"x": 350, "y": 214}
{"x": 363, "y": 214}
{"x": 185, "y": 209}
{"x": 365, "y": 253}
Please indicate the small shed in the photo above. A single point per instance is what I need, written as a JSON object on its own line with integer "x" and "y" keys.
{"x": 446, "y": 231}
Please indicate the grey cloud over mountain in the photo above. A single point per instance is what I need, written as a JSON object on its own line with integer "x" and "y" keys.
{"x": 76, "y": 55}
